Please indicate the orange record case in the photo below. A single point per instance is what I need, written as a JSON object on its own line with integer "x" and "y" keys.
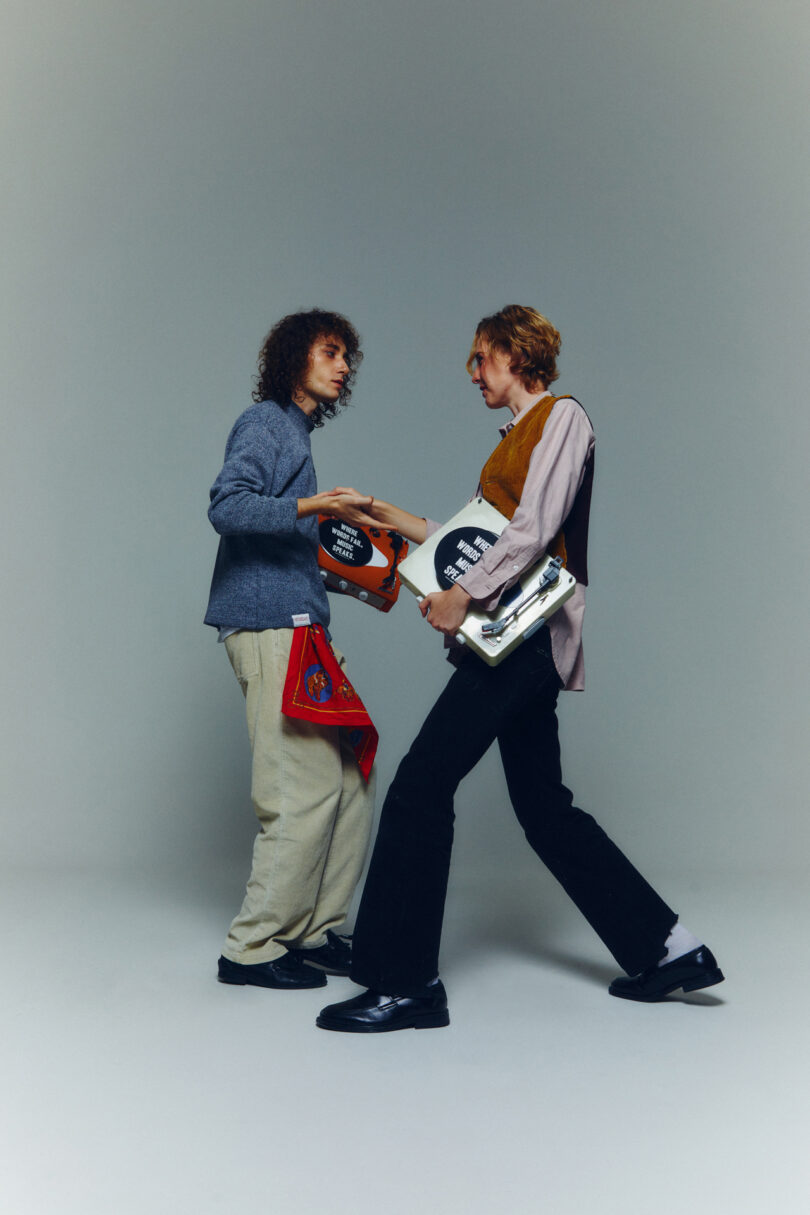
{"x": 361, "y": 561}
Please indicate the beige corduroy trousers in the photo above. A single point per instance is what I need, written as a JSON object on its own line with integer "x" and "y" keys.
{"x": 314, "y": 810}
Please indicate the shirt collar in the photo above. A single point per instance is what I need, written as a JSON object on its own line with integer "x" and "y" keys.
{"x": 512, "y": 423}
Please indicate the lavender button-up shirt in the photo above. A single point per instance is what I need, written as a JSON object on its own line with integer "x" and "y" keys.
{"x": 556, "y": 471}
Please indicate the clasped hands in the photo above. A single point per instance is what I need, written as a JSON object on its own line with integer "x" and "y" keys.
{"x": 444, "y": 610}
{"x": 347, "y": 504}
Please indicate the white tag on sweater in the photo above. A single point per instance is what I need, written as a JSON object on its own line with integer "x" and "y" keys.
{"x": 301, "y": 618}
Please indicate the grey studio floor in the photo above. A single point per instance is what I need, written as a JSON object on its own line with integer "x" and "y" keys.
{"x": 135, "y": 1083}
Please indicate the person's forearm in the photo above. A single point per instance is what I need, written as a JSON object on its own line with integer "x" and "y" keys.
{"x": 412, "y": 527}
{"x": 316, "y": 505}
{"x": 244, "y": 513}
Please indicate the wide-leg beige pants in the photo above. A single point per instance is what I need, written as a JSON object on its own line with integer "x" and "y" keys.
{"x": 314, "y": 810}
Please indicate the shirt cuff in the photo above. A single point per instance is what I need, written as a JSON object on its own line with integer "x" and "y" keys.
{"x": 484, "y": 588}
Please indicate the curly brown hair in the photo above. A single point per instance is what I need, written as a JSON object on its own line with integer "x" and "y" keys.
{"x": 530, "y": 340}
{"x": 284, "y": 357}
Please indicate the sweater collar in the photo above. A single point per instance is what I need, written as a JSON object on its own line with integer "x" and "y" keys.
{"x": 298, "y": 416}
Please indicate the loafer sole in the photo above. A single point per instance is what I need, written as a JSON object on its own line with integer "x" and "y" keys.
{"x": 318, "y": 980}
{"x": 697, "y": 984}
{"x": 436, "y": 1020}
{"x": 343, "y": 972}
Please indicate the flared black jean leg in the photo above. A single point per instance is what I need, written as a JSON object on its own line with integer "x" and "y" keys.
{"x": 395, "y": 947}
{"x": 399, "y": 923}
{"x": 619, "y": 904}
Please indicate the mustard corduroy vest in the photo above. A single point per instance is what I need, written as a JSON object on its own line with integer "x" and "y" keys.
{"x": 504, "y": 474}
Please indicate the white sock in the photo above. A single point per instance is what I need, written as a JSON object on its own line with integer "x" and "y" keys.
{"x": 679, "y": 942}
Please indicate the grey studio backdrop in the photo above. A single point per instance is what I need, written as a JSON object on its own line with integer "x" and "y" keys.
{"x": 179, "y": 175}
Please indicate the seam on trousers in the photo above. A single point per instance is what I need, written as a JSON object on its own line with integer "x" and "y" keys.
{"x": 271, "y": 877}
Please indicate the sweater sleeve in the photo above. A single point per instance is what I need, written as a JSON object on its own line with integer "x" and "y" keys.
{"x": 242, "y": 503}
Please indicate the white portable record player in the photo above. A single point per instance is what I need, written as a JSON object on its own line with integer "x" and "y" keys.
{"x": 523, "y": 608}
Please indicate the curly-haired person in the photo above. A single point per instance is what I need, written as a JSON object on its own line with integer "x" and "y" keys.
{"x": 312, "y": 798}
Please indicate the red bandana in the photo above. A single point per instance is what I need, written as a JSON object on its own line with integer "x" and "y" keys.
{"x": 317, "y": 690}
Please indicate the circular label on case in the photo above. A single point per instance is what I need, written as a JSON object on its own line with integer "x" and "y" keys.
{"x": 458, "y": 552}
{"x": 344, "y": 543}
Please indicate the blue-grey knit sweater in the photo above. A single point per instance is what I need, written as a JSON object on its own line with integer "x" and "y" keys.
{"x": 266, "y": 569}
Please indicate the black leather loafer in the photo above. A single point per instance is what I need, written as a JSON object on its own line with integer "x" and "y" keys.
{"x": 375, "y": 1013}
{"x": 691, "y": 972}
{"x": 334, "y": 957}
{"x": 286, "y": 972}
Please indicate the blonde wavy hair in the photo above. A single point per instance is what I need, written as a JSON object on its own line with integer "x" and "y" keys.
{"x": 527, "y": 337}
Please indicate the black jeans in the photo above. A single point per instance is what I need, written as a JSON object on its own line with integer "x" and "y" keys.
{"x": 399, "y": 924}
